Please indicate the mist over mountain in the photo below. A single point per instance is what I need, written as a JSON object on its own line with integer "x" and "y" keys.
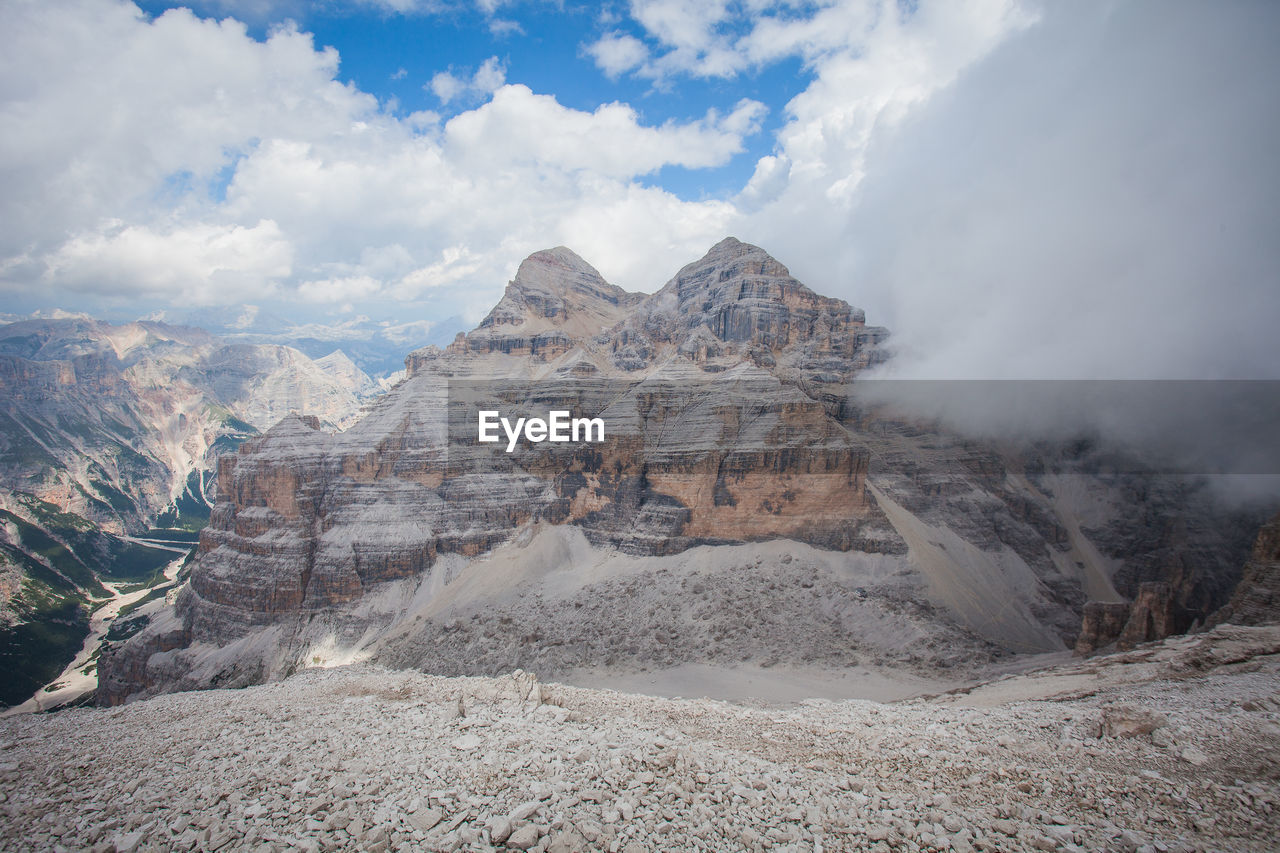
{"x": 745, "y": 509}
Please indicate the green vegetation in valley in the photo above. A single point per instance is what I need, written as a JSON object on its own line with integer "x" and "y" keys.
{"x": 34, "y": 652}
{"x": 38, "y": 542}
{"x": 19, "y": 450}
{"x": 122, "y": 628}
{"x": 101, "y": 554}
{"x": 156, "y": 592}
{"x": 223, "y": 415}
{"x": 189, "y": 511}
{"x": 50, "y": 624}
{"x": 139, "y": 564}
{"x": 95, "y": 502}
{"x": 118, "y": 500}
{"x": 50, "y": 515}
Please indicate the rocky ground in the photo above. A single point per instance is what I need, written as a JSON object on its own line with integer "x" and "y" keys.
{"x": 778, "y": 604}
{"x": 1174, "y": 746}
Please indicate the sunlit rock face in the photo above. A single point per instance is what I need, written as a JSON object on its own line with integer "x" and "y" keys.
{"x": 110, "y": 422}
{"x": 734, "y": 454}
{"x": 730, "y": 441}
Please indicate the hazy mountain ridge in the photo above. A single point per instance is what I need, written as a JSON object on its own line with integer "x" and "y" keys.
{"x": 376, "y": 347}
{"x": 731, "y": 425}
{"x": 109, "y": 421}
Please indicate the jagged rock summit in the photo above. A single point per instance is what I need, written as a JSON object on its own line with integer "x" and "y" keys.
{"x": 735, "y": 303}
{"x": 551, "y": 284}
{"x": 741, "y": 510}
{"x": 739, "y": 301}
{"x": 740, "y": 293}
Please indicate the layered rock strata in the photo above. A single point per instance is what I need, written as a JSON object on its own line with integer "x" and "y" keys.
{"x": 1152, "y": 615}
{"x": 733, "y": 451}
{"x": 1102, "y": 625}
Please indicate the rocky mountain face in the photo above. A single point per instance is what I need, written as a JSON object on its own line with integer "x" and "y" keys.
{"x": 107, "y": 430}
{"x": 1156, "y": 612}
{"x": 743, "y": 507}
{"x": 109, "y": 421}
{"x": 1152, "y": 615}
{"x": 1256, "y": 600}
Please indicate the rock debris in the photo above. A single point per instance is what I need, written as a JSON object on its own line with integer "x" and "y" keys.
{"x": 1170, "y": 747}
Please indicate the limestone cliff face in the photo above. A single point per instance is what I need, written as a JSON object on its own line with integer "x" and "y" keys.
{"x": 1256, "y": 600}
{"x": 1151, "y": 616}
{"x": 741, "y": 294}
{"x": 738, "y": 302}
{"x": 1102, "y": 625}
{"x": 1163, "y": 608}
{"x": 729, "y": 430}
{"x": 110, "y": 422}
{"x": 310, "y": 521}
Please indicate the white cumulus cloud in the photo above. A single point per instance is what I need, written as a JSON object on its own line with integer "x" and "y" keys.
{"x": 205, "y": 263}
{"x": 448, "y": 86}
{"x": 179, "y": 156}
{"x": 519, "y": 126}
{"x": 617, "y": 53}
{"x": 1080, "y": 185}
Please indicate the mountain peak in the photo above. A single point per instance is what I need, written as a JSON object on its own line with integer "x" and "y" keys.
{"x": 739, "y": 292}
{"x": 730, "y": 244}
{"x": 337, "y": 360}
{"x": 560, "y": 275}
{"x": 339, "y": 366}
{"x": 731, "y": 260}
{"x": 555, "y": 299}
{"x": 743, "y": 294}
{"x": 560, "y": 257}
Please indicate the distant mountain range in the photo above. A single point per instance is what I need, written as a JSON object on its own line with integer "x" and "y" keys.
{"x": 376, "y": 347}
{"x": 109, "y": 430}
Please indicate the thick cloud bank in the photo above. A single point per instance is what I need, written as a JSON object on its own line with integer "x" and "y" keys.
{"x": 1069, "y": 190}
{"x": 1099, "y": 197}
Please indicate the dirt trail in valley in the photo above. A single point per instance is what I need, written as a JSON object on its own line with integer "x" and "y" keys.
{"x": 80, "y": 678}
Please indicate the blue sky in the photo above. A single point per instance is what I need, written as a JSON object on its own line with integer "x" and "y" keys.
{"x": 995, "y": 180}
{"x": 543, "y": 45}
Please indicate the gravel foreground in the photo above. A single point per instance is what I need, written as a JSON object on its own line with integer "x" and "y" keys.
{"x": 1174, "y": 746}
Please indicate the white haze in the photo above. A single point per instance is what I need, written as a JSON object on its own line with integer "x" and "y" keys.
{"x": 1016, "y": 190}
{"x": 1099, "y": 197}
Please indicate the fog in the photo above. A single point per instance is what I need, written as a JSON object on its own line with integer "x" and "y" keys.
{"x": 1098, "y": 198}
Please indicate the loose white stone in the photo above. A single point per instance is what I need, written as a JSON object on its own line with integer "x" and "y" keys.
{"x": 524, "y": 838}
